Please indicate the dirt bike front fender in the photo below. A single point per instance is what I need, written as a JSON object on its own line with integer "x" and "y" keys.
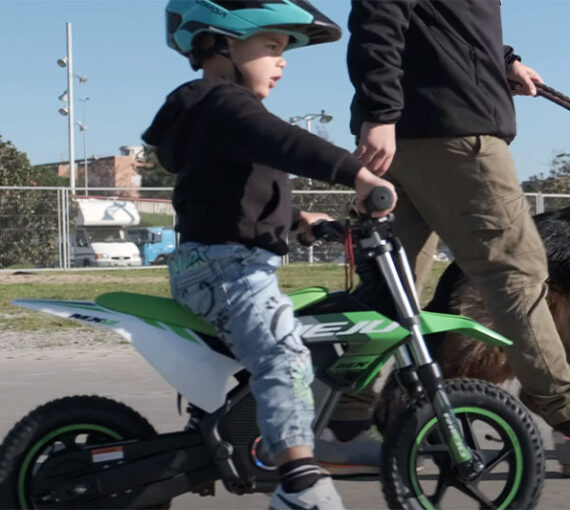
{"x": 431, "y": 322}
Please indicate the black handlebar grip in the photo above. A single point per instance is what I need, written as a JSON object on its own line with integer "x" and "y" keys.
{"x": 380, "y": 199}
{"x": 328, "y": 230}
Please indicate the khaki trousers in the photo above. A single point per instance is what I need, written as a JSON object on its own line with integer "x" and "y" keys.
{"x": 466, "y": 190}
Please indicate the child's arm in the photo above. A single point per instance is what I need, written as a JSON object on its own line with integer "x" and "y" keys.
{"x": 251, "y": 134}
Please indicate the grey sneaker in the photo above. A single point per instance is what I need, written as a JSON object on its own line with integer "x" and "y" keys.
{"x": 321, "y": 496}
{"x": 562, "y": 449}
{"x": 359, "y": 456}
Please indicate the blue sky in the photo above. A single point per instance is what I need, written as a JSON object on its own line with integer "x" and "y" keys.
{"x": 119, "y": 46}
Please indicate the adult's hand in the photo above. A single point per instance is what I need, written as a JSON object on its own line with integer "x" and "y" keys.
{"x": 377, "y": 146}
{"x": 524, "y": 78}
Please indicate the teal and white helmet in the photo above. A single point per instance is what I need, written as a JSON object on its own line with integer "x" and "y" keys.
{"x": 242, "y": 19}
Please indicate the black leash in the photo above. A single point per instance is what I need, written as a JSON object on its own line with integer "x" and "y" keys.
{"x": 553, "y": 95}
{"x": 547, "y": 92}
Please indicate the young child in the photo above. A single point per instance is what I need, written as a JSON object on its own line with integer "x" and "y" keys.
{"x": 233, "y": 201}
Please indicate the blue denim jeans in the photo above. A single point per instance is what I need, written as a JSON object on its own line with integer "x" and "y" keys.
{"x": 236, "y": 290}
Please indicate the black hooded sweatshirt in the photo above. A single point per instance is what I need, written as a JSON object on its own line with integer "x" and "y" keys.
{"x": 436, "y": 67}
{"x": 232, "y": 158}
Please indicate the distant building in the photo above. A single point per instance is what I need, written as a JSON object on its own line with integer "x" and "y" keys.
{"x": 107, "y": 171}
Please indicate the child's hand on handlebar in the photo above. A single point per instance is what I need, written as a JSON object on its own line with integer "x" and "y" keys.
{"x": 306, "y": 220}
{"x": 365, "y": 182}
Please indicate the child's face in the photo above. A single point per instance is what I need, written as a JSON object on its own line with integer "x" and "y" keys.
{"x": 259, "y": 60}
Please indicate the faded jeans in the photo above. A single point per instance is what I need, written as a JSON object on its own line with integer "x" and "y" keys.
{"x": 236, "y": 290}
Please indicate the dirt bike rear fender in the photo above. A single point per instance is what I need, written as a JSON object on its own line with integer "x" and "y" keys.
{"x": 201, "y": 375}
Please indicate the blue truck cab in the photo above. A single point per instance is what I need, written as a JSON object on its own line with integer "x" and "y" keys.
{"x": 154, "y": 243}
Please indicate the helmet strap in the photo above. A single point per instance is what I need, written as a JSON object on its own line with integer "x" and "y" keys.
{"x": 221, "y": 47}
{"x": 199, "y": 53}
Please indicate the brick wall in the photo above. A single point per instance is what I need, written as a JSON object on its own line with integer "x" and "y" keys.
{"x": 108, "y": 172}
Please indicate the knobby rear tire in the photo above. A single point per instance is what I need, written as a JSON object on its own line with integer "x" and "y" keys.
{"x": 110, "y": 419}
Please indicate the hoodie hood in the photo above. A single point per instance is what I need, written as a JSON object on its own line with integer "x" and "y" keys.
{"x": 169, "y": 127}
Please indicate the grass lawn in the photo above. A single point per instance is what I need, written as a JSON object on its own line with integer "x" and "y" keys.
{"x": 156, "y": 220}
{"x": 86, "y": 285}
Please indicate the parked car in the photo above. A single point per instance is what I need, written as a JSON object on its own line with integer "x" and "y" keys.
{"x": 154, "y": 243}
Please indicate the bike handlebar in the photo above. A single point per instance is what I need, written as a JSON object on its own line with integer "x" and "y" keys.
{"x": 380, "y": 199}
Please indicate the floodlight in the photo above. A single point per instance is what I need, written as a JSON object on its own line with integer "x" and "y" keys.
{"x": 325, "y": 118}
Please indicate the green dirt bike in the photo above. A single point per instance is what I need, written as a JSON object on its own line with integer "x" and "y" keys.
{"x": 469, "y": 437}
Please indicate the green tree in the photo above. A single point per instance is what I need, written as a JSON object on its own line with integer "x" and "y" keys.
{"x": 154, "y": 175}
{"x": 28, "y": 218}
{"x": 45, "y": 176}
{"x": 15, "y": 168}
{"x": 557, "y": 180}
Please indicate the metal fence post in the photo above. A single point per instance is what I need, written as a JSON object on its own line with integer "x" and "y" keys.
{"x": 539, "y": 203}
{"x": 67, "y": 227}
{"x": 60, "y": 223}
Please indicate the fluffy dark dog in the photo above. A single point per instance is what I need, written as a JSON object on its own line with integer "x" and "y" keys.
{"x": 461, "y": 356}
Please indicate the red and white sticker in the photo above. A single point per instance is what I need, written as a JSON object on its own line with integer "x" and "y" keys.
{"x": 107, "y": 454}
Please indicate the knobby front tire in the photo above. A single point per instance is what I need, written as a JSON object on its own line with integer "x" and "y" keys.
{"x": 417, "y": 471}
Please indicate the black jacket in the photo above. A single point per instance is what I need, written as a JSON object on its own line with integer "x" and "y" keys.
{"x": 436, "y": 67}
{"x": 231, "y": 157}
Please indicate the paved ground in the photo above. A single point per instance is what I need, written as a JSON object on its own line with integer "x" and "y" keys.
{"x": 29, "y": 379}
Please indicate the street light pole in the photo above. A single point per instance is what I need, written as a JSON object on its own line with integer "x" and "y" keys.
{"x": 324, "y": 118}
{"x": 70, "y": 120}
{"x": 67, "y": 97}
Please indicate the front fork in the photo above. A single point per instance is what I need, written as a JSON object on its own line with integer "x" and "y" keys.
{"x": 393, "y": 263}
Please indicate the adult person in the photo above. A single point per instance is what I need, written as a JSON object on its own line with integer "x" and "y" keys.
{"x": 433, "y": 113}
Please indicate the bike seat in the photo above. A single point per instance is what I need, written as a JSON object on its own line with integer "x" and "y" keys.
{"x": 167, "y": 310}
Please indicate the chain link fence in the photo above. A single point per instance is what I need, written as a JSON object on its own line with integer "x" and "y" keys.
{"x": 42, "y": 227}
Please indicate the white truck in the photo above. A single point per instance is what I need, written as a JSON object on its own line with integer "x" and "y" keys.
{"x": 99, "y": 238}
